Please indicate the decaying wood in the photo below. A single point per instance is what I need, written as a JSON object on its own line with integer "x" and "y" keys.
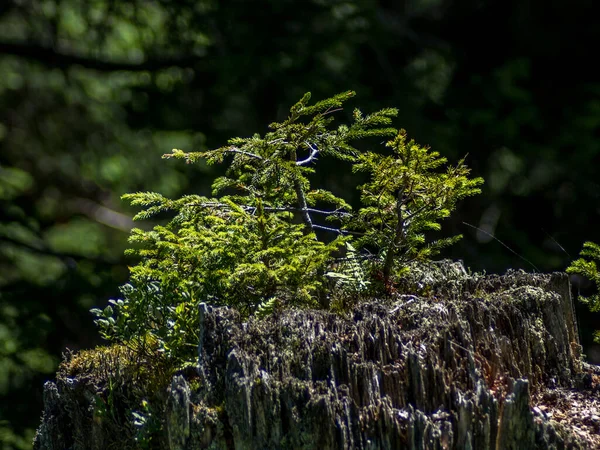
{"x": 469, "y": 365}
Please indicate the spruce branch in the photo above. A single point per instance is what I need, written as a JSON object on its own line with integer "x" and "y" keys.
{"x": 253, "y": 209}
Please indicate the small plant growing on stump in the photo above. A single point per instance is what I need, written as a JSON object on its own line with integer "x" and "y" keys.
{"x": 404, "y": 199}
{"x": 586, "y": 266}
{"x": 254, "y": 244}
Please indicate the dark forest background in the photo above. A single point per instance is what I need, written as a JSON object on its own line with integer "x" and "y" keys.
{"x": 92, "y": 93}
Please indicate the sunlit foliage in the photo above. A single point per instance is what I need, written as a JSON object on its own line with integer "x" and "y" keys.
{"x": 254, "y": 246}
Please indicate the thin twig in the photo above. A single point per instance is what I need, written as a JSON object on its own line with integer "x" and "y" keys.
{"x": 272, "y": 209}
{"x": 331, "y": 111}
{"x": 311, "y": 157}
{"x": 337, "y": 230}
{"x": 242, "y": 152}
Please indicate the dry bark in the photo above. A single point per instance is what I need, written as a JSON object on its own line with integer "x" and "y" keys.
{"x": 469, "y": 365}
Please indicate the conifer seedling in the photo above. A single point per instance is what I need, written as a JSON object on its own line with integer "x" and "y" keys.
{"x": 253, "y": 244}
{"x": 587, "y": 267}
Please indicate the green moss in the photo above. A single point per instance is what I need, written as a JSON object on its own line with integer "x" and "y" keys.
{"x": 127, "y": 385}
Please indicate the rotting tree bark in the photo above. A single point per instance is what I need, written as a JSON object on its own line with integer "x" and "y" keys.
{"x": 454, "y": 370}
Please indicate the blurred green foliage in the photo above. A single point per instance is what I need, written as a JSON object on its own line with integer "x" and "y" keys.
{"x": 93, "y": 92}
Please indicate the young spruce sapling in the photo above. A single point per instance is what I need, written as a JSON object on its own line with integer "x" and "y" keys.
{"x": 254, "y": 245}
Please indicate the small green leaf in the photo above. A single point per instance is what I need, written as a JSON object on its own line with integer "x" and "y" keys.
{"x": 108, "y": 311}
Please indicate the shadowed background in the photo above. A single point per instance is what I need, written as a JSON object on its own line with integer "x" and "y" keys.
{"x": 92, "y": 93}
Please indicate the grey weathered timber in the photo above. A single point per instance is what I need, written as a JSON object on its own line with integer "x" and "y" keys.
{"x": 453, "y": 369}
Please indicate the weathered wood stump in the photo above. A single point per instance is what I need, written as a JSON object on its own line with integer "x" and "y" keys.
{"x": 479, "y": 363}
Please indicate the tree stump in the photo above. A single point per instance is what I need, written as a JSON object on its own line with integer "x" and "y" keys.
{"x": 478, "y": 363}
